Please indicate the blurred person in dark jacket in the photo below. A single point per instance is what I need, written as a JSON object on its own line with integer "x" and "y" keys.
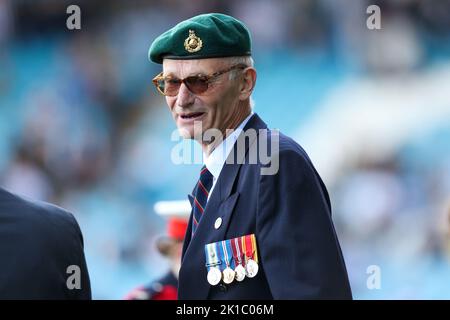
{"x": 41, "y": 251}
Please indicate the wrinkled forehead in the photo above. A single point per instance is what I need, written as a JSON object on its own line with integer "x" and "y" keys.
{"x": 185, "y": 68}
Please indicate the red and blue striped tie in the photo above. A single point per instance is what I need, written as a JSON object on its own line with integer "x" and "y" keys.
{"x": 201, "y": 192}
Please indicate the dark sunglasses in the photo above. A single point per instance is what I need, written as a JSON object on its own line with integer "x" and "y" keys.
{"x": 169, "y": 86}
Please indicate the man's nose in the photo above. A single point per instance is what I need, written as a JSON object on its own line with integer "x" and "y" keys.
{"x": 185, "y": 98}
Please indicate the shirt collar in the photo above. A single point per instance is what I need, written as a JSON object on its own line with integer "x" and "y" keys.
{"x": 215, "y": 161}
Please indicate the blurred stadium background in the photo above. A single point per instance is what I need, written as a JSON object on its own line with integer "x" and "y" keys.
{"x": 82, "y": 126}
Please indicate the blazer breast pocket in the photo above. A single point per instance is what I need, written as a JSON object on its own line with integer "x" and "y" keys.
{"x": 224, "y": 214}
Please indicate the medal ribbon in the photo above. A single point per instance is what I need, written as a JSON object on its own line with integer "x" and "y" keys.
{"x": 241, "y": 251}
{"x": 232, "y": 263}
{"x": 221, "y": 255}
{"x": 250, "y": 247}
{"x": 236, "y": 251}
{"x": 244, "y": 249}
{"x": 225, "y": 253}
{"x": 212, "y": 257}
{"x": 255, "y": 250}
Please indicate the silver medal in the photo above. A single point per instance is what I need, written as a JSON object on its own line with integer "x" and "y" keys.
{"x": 228, "y": 275}
{"x": 214, "y": 276}
{"x": 251, "y": 268}
{"x": 239, "y": 273}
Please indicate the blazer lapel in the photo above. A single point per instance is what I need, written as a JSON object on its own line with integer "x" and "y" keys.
{"x": 187, "y": 236}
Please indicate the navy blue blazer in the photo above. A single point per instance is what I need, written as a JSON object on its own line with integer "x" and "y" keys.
{"x": 290, "y": 215}
{"x": 38, "y": 243}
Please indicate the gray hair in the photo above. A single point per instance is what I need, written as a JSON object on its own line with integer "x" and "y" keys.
{"x": 245, "y": 60}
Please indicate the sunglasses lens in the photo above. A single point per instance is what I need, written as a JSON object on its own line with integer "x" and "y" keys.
{"x": 196, "y": 85}
{"x": 170, "y": 87}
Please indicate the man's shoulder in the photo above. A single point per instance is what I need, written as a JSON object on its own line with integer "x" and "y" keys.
{"x": 38, "y": 214}
{"x": 275, "y": 144}
{"x": 273, "y": 140}
{"x": 290, "y": 146}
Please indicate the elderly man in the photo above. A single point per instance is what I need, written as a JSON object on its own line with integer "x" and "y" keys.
{"x": 252, "y": 234}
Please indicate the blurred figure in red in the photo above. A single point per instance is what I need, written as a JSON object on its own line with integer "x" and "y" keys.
{"x": 170, "y": 246}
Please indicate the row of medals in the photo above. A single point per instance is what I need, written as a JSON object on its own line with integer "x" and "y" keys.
{"x": 228, "y": 275}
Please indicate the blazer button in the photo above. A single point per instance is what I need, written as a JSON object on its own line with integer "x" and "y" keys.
{"x": 222, "y": 287}
{"x": 218, "y": 223}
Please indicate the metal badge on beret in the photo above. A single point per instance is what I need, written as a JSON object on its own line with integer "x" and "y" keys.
{"x": 193, "y": 43}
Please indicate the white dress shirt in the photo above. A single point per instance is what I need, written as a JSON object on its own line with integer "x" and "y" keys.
{"x": 215, "y": 161}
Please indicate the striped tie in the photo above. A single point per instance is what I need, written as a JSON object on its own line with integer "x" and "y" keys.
{"x": 201, "y": 192}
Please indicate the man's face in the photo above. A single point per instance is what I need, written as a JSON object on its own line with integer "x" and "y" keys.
{"x": 216, "y": 108}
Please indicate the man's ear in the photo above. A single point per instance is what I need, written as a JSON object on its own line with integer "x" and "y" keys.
{"x": 248, "y": 83}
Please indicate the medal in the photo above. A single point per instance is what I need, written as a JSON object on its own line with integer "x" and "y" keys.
{"x": 251, "y": 255}
{"x": 251, "y": 268}
{"x": 228, "y": 273}
{"x": 212, "y": 263}
{"x": 230, "y": 260}
{"x": 240, "y": 273}
{"x": 239, "y": 270}
{"x": 214, "y": 276}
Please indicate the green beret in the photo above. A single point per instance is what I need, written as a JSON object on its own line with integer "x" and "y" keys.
{"x": 204, "y": 36}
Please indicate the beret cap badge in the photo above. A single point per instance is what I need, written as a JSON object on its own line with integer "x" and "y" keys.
{"x": 193, "y": 43}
